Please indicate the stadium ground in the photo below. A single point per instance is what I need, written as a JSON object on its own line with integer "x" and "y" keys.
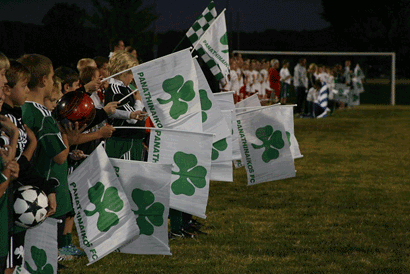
{"x": 347, "y": 210}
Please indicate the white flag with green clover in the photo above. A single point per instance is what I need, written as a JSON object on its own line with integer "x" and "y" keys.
{"x": 226, "y": 102}
{"x": 103, "y": 215}
{"x": 202, "y": 23}
{"x": 214, "y": 42}
{"x": 212, "y": 120}
{"x": 147, "y": 187}
{"x": 40, "y": 249}
{"x": 221, "y": 166}
{"x": 169, "y": 91}
{"x": 190, "y": 153}
{"x": 265, "y": 148}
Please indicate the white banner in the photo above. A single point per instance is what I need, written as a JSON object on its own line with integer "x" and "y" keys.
{"x": 212, "y": 120}
{"x": 169, "y": 91}
{"x": 265, "y": 149}
{"x": 252, "y": 101}
{"x": 221, "y": 166}
{"x": 286, "y": 116}
{"x": 147, "y": 187}
{"x": 190, "y": 153}
{"x": 40, "y": 249}
{"x": 215, "y": 42}
{"x": 103, "y": 215}
{"x": 226, "y": 102}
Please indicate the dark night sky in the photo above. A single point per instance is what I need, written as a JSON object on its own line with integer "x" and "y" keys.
{"x": 255, "y": 15}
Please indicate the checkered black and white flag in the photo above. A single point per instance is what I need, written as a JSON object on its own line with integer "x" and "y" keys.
{"x": 197, "y": 30}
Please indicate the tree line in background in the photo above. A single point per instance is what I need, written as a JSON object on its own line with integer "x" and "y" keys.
{"x": 68, "y": 33}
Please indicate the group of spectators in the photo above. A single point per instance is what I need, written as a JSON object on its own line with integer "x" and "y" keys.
{"x": 272, "y": 81}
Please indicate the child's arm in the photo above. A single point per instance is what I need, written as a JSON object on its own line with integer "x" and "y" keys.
{"x": 12, "y": 131}
{"x": 32, "y": 144}
{"x": 103, "y": 133}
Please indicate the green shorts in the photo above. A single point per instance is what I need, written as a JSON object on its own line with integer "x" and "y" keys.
{"x": 121, "y": 148}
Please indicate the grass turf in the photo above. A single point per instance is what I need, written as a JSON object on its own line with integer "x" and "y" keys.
{"x": 347, "y": 210}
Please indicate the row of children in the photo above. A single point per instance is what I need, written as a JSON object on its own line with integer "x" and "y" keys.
{"x": 40, "y": 151}
{"x": 248, "y": 77}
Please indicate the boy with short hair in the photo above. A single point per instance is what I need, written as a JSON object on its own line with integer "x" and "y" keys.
{"x": 53, "y": 145}
{"x": 69, "y": 79}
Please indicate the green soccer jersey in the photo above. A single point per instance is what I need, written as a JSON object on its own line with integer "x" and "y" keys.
{"x": 49, "y": 144}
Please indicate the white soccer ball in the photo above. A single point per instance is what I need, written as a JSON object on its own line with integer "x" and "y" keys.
{"x": 30, "y": 206}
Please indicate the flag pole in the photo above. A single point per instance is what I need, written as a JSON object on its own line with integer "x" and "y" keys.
{"x": 183, "y": 38}
{"x": 202, "y": 37}
{"x": 166, "y": 129}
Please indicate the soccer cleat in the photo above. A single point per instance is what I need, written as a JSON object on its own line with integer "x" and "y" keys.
{"x": 64, "y": 254}
{"x": 75, "y": 251}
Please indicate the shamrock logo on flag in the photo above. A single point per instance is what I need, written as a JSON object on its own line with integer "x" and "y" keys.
{"x": 206, "y": 104}
{"x": 224, "y": 41}
{"x": 179, "y": 90}
{"x": 150, "y": 214}
{"x": 104, "y": 201}
{"x": 40, "y": 260}
{"x": 191, "y": 176}
{"x": 272, "y": 141}
{"x": 220, "y": 145}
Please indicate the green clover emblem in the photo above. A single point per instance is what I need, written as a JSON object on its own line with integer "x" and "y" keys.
{"x": 224, "y": 41}
{"x": 206, "y": 104}
{"x": 104, "y": 201}
{"x": 288, "y": 137}
{"x": 340, "y": 92}
{"x": 218, "y": 146}
{"x": 272, "y": 141}
{"x": 178, "y": 89}
{"x": 191, "y": 176}
{"x": 40, "y": 260}
{"x": 150, "y": 214}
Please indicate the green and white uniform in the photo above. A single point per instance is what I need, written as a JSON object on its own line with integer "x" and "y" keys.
{"x": 49, "y": 144}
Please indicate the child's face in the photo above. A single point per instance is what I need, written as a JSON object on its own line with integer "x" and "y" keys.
{"x": 51, "y": 103}
{"x": 73, "y": 87}
{"x": 126, "y": 78}
{"x": 2, "y": 97}
{"x": 49, "y": 83}
{"x": 19, "y": 93}
{"x": 96, "y": 75}
{"x": 3, "y": 79}
{"x": 104, "y": 71}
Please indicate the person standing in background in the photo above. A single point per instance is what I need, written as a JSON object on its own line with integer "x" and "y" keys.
{"x": 300, "y": 82}
{"x": 285, "y": 79}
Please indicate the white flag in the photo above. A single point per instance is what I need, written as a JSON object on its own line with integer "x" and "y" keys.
{"x": 252, "y": 101}
{"x": 147, "y": 187}
{"x": 221, "y": 166}
{"x": 215, "y": 43}
{"x": 169, "y": 91}
{"x": 265, "y": 149}
{"x": 103, "y": 215}
{"x": 226, "y": 102}
{"x": 190, "y": 153}
{"x": 212, "y": 120}
{"x": 40, "y": 249}
{"x": 286, "y": 116}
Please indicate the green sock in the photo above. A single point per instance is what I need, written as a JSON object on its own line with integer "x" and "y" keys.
{"x": 69, "y": 238}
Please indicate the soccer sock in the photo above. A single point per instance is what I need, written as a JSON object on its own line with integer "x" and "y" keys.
{"x": 175, "y": 218}
{"x": 69, "y": 238}
{"x": 185, "y": 220}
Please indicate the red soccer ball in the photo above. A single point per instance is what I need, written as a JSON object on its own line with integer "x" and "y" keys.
{"x": 75, "y": 106}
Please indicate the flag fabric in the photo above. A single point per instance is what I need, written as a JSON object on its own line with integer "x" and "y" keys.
{"x": 342, "y": 93}
{"x": 195, "y": 32}
{"x": 169, "y": 91}
{"x": 40, "y": 249}
{"x": 212, "y": 120}
{"x": 202, "y": 23}
{"x": 221, "y": 165}
{"x": 214, "y": 42}
{"x": 190, "y": 153}
{"x": 147, "y": 187}
{"x": 265, "y": 149}
{"x": 103, "y": 215}
{"x": 323, "y": 99}
{"x": 251, "y": 101}
{"x": 358, "y": 76}
{"x": 226, "y": 102}
{"x": 285, "y": 114}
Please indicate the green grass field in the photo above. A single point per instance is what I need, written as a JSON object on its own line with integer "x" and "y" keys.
{"x": 347, "y": 210}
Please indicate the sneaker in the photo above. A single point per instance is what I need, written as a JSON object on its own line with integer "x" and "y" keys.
{"x": 64, "y": 254}
{"x": 195, "y": 223}
{"x": 172, "y": 235}
{"x": 195, "y": 231}
{"x": 187, "y": 234}
{"x": 75, "y": 251}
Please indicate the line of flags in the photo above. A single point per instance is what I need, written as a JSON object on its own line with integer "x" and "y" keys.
{"x": 122, "y": 206}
